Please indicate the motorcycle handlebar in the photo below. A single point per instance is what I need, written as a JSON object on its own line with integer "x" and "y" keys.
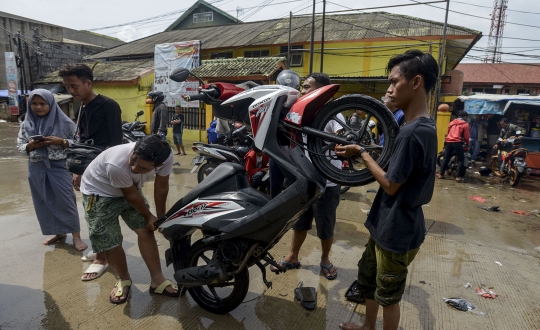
{"x": 204, "y": 95}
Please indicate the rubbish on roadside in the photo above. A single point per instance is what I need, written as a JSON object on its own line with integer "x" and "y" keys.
{"x": 486, "y": 293}
{"x": 176, "y": 164}
{"x": 520, "y": 212}
{"x": 372, "y": 191}
{"x": 459, "y": 304}
{"x": 498, "y": 263}
{"x": 468, "y": 285}
{"x": 478, "y": 199}
{"x": 472, "y": 188}
{"x": 365, "y": 211}
{"x": 533, "y": 211}
{"x": 490, "y": 209}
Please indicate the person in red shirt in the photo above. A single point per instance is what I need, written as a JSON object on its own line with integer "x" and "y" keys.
{"x": 256, "y": 167}
{"x": 458, "y": 132}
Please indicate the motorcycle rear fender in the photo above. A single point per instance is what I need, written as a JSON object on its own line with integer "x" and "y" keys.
{"x": 304, "y": 110}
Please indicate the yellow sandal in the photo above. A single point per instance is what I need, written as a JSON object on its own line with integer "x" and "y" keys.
{"x": 120, "y": 291}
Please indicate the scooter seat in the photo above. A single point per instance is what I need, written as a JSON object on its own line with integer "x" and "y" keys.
{"x": 215, "y": 146}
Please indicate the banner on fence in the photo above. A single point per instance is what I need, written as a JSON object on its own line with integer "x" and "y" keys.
{"x": 169, "y": 56}
{"x": 11, "y": 75}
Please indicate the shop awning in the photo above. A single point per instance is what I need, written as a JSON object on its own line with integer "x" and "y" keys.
{"x": 486, "y": 104}
{"x": 525, "y": 105}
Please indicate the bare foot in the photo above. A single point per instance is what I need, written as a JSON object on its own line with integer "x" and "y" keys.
{"x": 79, "y": 244}
{"x": 351, "y": 326}
{"x": 53, "y": 239}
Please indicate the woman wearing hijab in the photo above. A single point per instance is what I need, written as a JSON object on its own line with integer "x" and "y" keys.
{"x": 43, "y": 137}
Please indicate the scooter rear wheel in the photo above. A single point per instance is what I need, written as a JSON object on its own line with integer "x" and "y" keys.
{"x": 321, "y": 150}
{"x": 515, "y": 176}
{"x": 218, "y": 298}
{"x": 205, "y": 170}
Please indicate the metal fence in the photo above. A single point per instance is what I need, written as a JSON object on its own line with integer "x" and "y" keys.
{"x": 194, "y": 118}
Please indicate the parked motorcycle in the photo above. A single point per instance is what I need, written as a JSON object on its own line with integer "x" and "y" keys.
{"x": 453, "y": 163}
{"x": 239, "y": 224}
{"x": 209, "y": 156}
{"x": 513, "y": 164}
{"x": 134, "y": 131}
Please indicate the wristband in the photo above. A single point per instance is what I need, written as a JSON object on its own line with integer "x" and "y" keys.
{"x": 362, "y": 149}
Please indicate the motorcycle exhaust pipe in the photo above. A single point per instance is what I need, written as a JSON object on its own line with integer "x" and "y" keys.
{"x": 201, "y": 275}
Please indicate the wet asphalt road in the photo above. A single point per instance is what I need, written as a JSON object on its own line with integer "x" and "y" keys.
{"x": 40, "y": 287}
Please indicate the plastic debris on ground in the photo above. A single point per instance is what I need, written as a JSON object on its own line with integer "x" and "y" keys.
{"x": 468, "y": 285}
{"x": 462, "y": 305}
{"x": 490, "y": 209}
{"x": 473, "y": 188}
{"x": 365, "y": 211}
{"x": 481, "y": 291}
{"x": 372, "y": 191}
{"x": 498, "y": 263}
{"x": 478, "y": 199}
{"x": 520, "y": 212}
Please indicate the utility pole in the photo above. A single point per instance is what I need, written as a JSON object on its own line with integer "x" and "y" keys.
{"x": 312, "y": 40}
{"x": 20, "y": 61}
{"x": 38, "y": 53}
{"x": 289, "y": 42}
{"x": 322, "y": 36}
{"x": 441, "y": 62}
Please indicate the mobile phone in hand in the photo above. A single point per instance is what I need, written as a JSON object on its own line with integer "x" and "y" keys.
{"x": 37, "y": 138}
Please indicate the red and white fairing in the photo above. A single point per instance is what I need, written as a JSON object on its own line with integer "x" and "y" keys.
{"x": 260, "y": 110}
{"x": 199, "y": 211}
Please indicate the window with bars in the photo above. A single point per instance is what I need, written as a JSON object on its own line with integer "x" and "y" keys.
{"x": 194, "y": 118}
{"x": 257, "y": 53}
{"x": 297, "y": 57}
{"x": 216, "y": 56}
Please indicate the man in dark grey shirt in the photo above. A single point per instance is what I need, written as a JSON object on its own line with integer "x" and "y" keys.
{"x": 396, "y": 221}
{"x": 160, "y": 115}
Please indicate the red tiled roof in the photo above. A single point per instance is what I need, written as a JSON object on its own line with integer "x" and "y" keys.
{"x": 500, "y": 73}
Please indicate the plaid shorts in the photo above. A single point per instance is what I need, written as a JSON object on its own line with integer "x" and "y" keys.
{"x": 103, "y": 223}
{"x": 382, "y": 274}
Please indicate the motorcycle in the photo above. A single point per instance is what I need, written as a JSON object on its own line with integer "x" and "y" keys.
{"x": 211, "y": 155}
{"x": 239, "y": 224}
{"x": 453, "y": 163}
{"x": 513, "y": 164}
{"x": 134, "y": 131}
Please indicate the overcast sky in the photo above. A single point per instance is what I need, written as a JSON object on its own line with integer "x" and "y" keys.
{"x": 134, "y": 16}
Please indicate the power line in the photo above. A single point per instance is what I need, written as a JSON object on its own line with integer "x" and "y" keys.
{"x": 517, "y": 11}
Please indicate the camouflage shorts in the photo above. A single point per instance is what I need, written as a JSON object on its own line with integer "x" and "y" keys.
{"x": 103, "y": 223}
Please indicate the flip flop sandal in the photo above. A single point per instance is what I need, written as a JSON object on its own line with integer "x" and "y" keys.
{"x": 120, "y": 291}
{"x": 307, "y": 297}
{"x": 91, "y": 256}
{"x": 95, "y": 268}
{"x": 285, "y": 264}
{"x": 161, "y": 289}
{"x": 353, "y": 294}
{"x": 329, "y": 269}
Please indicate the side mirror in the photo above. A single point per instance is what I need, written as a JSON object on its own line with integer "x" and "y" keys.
{"x": 179, "y": 74}
{"x": 140, "y": 113}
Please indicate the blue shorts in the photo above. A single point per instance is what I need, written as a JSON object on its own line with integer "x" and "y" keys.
{"x": 177, "y": 137}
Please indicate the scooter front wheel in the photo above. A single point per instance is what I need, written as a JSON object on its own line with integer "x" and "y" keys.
{"x": 332, "y": 115}
{"x": 495, "y": 167}
{"x": 218, "y": 298}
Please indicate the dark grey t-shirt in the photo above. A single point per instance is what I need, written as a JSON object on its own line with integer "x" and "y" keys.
{"x": 396, "y": 223}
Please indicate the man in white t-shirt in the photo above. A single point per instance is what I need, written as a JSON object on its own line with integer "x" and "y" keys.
{"x": 323, "y": 209}
{"x": 111, "y": 187}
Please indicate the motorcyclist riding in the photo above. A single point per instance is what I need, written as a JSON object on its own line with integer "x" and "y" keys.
{"x": 160, "y": 116}
{"x": 507, "y": 130}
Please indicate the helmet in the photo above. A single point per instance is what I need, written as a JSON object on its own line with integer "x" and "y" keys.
{"x": 484, "y": 171}
{"x": 156, "y": 96}
{"x": 288, "y": 78}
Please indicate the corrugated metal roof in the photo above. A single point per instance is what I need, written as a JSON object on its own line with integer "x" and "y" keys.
{"x": 344, "y": 27}
{"x": 112, "y": 71}
{"x": 500, "y": 73}
{"x": 239, "y": 67}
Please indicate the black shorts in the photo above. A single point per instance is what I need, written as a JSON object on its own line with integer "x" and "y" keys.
{"x": 324, "y": 211}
